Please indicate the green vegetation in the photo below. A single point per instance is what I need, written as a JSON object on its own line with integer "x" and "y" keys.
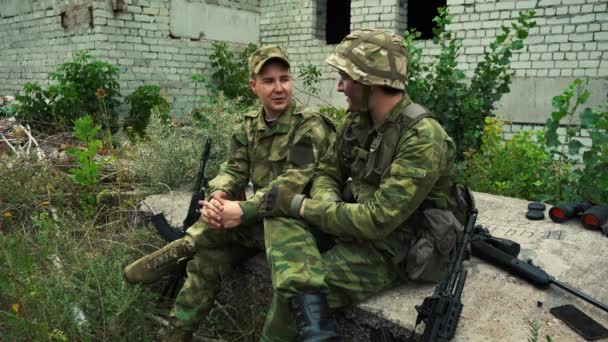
{"x": 536, "y": 165}
{"x": 142, "y": 101}
{"x": 231, "y": 73}
{"x": 70, "y": 218}
{"x": 83, "y": 87}
{"x": 459, "y": 104}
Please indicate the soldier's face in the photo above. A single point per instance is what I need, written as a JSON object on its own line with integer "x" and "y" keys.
{"x": 353, "y": 91}
{"x": 273, "y": 86}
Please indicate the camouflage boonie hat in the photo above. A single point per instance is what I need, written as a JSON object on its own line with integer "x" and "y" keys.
{"x": 262, "y": 55}
{"x": 372, "y": 57}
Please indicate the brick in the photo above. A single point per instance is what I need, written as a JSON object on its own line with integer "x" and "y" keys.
{"x": 597, "y": 36}
{"x": 587, "y": 18}
{"x": 580, "y": 37}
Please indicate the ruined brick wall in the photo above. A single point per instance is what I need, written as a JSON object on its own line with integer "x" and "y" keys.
{"x": 570, "y": 41}
{"x": 134, "y": 35}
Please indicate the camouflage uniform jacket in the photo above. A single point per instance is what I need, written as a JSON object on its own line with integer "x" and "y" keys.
{"x": 416, "y": 171}
{"x": 284, "y": 153}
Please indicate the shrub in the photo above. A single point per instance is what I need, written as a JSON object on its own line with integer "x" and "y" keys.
{"x": 141, "y": 102}
{"x": 83, "y": 87}
{"x": 459, "y": 105}
{"x": 595, "y": 159}
{"x": 171, "y": 152}
{"x": 231, "y": 75}
{"x": 61, "y": 288}
{"x": 516, "y": 167}
{"x": 537, "y": 165}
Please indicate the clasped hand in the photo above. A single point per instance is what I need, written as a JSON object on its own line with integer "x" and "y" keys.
{"x": 219, "y": 212}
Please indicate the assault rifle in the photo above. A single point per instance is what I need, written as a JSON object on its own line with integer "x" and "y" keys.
{"x": 171, "y": 234}
{"x": 441, "y": 311}
{"x": 198, "y": 194}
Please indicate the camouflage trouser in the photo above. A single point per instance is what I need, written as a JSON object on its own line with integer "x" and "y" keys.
{"x": 347, "y": 273}
{"x": 217, "y": 251}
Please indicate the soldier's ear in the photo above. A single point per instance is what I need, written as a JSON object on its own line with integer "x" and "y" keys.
{"x": 252, "y": 84}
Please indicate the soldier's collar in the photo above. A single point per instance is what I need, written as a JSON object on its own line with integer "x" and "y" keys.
{"x": 282, "y": 121}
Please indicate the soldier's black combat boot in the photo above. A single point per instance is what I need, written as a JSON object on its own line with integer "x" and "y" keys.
{"x": 314, "y": 319}
{"x": 154, "y": 266}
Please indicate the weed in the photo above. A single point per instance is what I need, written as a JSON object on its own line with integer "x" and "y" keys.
{"x": 74, "y": 95}
{"x": 231, "y": 73}
{"x": 142, "y": 101}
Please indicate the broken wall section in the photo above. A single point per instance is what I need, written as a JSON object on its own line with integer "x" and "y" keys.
{"x": 134, "y": 35}
{"x": 37, "y": 36}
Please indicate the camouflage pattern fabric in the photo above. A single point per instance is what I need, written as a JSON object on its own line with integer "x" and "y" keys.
{"x": 348, "y": 273}
{"x": 372, "y": 57}
{"x": 263, "y": 54}
{"x": 285, "y": 153}
{"x": 385, "y": 214}
{"x": 419, "y": 172}
{"x": 370, "y": 233}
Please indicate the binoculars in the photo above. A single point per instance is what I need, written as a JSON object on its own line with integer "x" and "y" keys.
{"x": 592, "y": 216}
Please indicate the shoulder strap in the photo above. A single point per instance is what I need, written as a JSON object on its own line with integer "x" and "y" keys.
{"x": 411, "y": 114}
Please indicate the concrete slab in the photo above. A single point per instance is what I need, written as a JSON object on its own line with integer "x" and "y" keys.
{"x": 500, "y": 307}
{"x": 198, "y": 20}
{"x": 497, "y": 306}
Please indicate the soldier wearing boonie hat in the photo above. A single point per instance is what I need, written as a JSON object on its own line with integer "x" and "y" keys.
{"x": 279, "y": 143}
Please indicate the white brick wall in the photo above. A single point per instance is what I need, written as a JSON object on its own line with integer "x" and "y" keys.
{"x": 571, "y": 39}
{"x": 563, "y": 26}
{"x": 137, "y": 41}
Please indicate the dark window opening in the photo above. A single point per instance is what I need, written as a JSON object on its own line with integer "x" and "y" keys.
{"x": 337, "y": 21}
{"x": 420, "y": 16}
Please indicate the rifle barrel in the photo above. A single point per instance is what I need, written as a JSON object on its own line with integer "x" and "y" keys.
{"x": 580, "y": 295}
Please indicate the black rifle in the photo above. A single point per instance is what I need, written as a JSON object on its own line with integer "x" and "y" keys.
{"x": 441, "y": 311}
{"x": 171, "y": 234}
{"x": 524, "y": 269}
{"x": 198, "y": 193}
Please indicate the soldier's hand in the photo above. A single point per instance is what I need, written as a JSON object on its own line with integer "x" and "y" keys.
{"x": 231, "y": 214}
{"x": 211, "y": 212}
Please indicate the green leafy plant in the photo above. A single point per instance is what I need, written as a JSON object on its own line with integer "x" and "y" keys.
{"x": 459, "y": 105}
{"x": 87, "y": 172}
{"x": 142, "y": 100}
{"x": 534, "y": 332}
{"x": 310, "y": 76}
{"x": 517, "y": 167}
{"x": 75, "y": 94}
{"x": 231, "y": 73}
{"x": 595, "y": 160}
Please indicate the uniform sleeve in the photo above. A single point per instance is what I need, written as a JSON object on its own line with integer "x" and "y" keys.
{"x": 234, "y": 173}
{"x": 311, "y": 141}
{"x": 403, "y": 187}
{"x": 328, "y": 180}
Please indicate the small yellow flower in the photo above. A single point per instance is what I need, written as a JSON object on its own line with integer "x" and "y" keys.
{"x": 16, "y": 307}
{"x": 8, "y": 214}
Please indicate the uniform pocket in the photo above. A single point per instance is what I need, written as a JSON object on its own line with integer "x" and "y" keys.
{"x": 429, "y": 257}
